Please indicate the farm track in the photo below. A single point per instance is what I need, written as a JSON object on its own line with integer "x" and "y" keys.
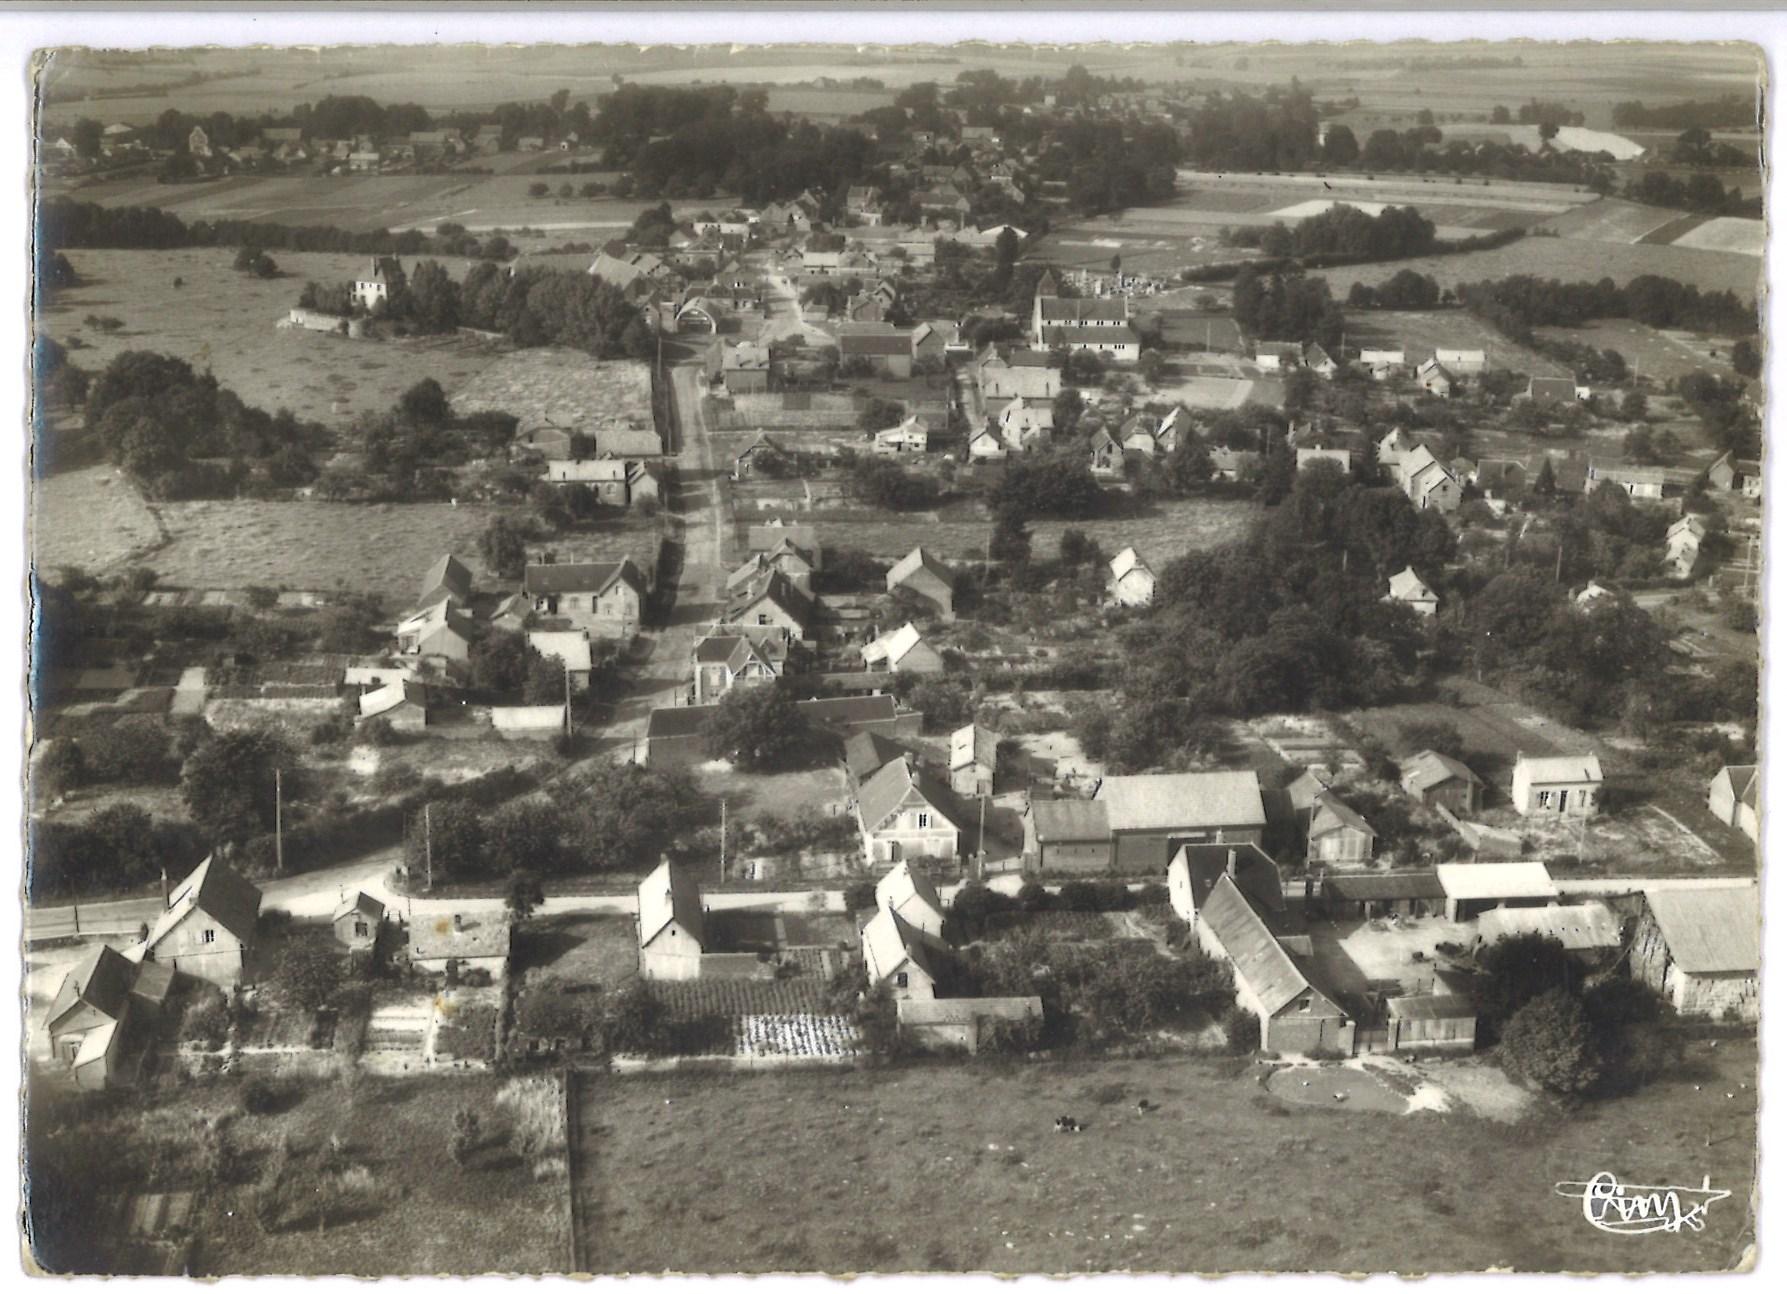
{"x": 580, "y": 1160}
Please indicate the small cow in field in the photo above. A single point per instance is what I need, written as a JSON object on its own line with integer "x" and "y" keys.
{"x": 1067, "y": 1123}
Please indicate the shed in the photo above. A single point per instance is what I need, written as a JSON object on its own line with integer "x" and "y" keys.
{"x": 1439, "y": 780}
{"x": 1701, "y": 948}
{"x": 1432, "y": 1022}
{"x": 357, "y": 920}
{"x": 672, "y": 924}
{"x": 962, "y": 1023}
{"x": 445, "y": 942}
{"x": 1152, "y": 814}
{"x": 1474, "y": 888}
{"x": 1363, "y": 895}
{"x": 1067, "y": 836}
{"x": 1586, "y": 928}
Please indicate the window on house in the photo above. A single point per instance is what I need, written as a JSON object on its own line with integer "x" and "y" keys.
{"x": 209, "y": 937}
{"x": 900, "y": 979}
{"x": 1544, "y": 799}
{"x": 360, "y": 929}
{"x": 924, "y": 820}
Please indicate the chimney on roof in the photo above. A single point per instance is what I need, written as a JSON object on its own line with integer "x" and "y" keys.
{"x": 458, "y": 922}
{"x": 164, "y": 889}
{"x": 1234, "y": 866}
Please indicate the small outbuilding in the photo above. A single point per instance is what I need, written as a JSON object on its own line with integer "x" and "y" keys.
{"x": 1474, "y": 888}
{"x": 357, "y": 921}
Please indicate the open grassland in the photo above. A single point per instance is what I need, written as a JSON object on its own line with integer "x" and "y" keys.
{"x": 1727, "y": 234}
{"x": 224, "y": 321}
{"x": 1169, "y": 529}
{"x": 1568, "y": 259}
{"x": 1611, "y": 220}
{"x": 92, "y": 518}
{"x": 1658, "y": 354}
{"x": 567, "y": 388}
{"x": 959, "y": 1169}
{"x": 429, "y": 1214}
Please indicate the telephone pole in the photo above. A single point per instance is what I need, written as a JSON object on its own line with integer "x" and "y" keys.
{"x": 428, "y": 841}
{"x": 568, "y": 701}
{"x": 722, "y": 840}
{"x": 279, "y": 821}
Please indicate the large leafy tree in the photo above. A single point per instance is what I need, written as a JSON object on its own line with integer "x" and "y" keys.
{"x": 228, "y": 782}
{"x": 759, "y": 728}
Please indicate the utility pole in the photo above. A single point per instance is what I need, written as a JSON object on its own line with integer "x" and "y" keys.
{"x": 568, "y": 701}
{"x": 279, "y": 821}
{"x": 722, "y": 840}
{"x": 428, "y": 841}
{"x": 981, "y": 851}
{"x": 1559, "y": 578}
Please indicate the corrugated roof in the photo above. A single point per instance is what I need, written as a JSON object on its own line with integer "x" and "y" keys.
{"x": 1710, "y": 931}
{"x": 1580, "y": 927}
{"x": 670, "y": 894}
{"x": 1381, "y": 886}
{"x": 1066, "y": 821}
{"x": 1163, "y": 801}
{"x": 1252, "y": 948}
{"x": 1496, "y": 881}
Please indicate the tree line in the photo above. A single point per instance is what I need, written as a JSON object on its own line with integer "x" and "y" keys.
{"x": 1521, "y": 302}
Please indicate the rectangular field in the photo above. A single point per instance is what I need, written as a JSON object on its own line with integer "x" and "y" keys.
{"x": 1171, "y": 529}
{"x": 381, "y": 548}
{"x": 190, "y": 303}
{"x": 1420, "y": 332}
{"x": 561, "y": 386}
{"x": 1727, "y": 234}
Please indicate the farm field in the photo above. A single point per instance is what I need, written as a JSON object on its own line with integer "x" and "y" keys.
{"x": 1727, "y": 234}
{"x": 1655, "y": 353}
{"x": 91, "y": 517}
{"x": 1420, "y": 332}
{"x": 1568, "y": 259}
{"x": 1170, "y": 529}
{"x": 561, "y": 386}
{"x": 1611, "y": 220}
{"x": 378, "y": 548}
{"x": 432, "y": 1215}
{"x": 372, "y": 202}
{"x": 958, "y": 1168}
{"x": 225, "y": 322}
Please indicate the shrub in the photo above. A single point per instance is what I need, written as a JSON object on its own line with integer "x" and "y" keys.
{"x": 1549, "y": 1041}
{"x": 259, "y": 1097}
{"x": 378, "y": 732}
{"x": 1241, "y": 1029}
{"x": 859, "y": 896}
{"x": 1153, "y": 895}
{"x": 1033, "y": 897}
{"x": 1080, "y": 896}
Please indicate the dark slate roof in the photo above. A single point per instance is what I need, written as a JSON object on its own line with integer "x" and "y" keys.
{"x": 837, "y": 712}
{"x": 898, "y": 343}
{"x": 580, "y": 577}
{"x": 866, "y": 753}
{"x": 1255, "y": 872}
{"x": 1255, "y": 952}
{"x": 223, "y": 894}
{"x": 883, "y": 793}
{"x": 1379, "y": 886}
{"x": 101, "y": 979}
{"x": 1059, "y": 821}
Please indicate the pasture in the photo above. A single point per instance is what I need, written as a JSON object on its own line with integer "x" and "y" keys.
{"x": 1727, "y": 234}
{"x": 1611, "y": 220}
{"x": 958, "y": 1168}
{"x": 224, "y": 321}
{"x": 91, "y": 517}
{"x": 567, "y": 388}
{"x": 1658, "y": 354}
{"x": 1168, "y": 529}
{"x": 371, "y": 202}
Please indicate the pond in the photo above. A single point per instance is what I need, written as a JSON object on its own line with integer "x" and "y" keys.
{"x": 1335, "y": 1087}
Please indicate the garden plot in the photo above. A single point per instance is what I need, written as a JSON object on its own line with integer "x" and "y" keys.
{"x": 463, "y": 1032}
{"x": 830, "y": 1036}
{"x": 397, "y": 1032}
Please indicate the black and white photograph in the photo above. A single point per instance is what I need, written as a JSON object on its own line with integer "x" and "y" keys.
{"x": 1013, "y": 655}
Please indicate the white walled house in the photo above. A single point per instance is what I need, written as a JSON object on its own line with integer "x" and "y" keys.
{"x": 1131, "y": 583}
{"x": 1563, "y": 784}
{"x": 672, "y": 924}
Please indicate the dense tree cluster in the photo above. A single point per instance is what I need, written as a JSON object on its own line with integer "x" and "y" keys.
{"x": 116, "y": 849}
{"x": 1284, "y": 305}
{"x": 1241, "y": 132}
{"x": 1403, "y": 290}
{"x": 1731, "y": 112}
{"x": 179, "y": 434}
{"x": 1522, "y": 302}
{"x": 1699, "y": 192}
{"x": 1347, "y": 232}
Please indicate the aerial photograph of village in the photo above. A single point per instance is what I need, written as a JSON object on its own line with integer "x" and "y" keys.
{"x": 958, "y": 658}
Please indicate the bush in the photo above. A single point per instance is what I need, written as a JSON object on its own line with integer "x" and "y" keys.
{"x": 1033, "y": 897}
{"x": 859, "y": 896}
{"x": 378, "y": 732}
{"x": 1549, "y": 1041}
{"x": 1242, "y": 1031}
{"x": 259, "y": 1097}
{"x": 1153, "y": 895}
{"x": 1080, "y": 896}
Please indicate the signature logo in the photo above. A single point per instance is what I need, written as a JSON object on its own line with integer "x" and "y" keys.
{"x": 1613, "y": 1206}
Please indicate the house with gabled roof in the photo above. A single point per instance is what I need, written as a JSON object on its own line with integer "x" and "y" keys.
{"x": 744, "y": 463}
{"x": 1137, "y": 435}
{"x": 1131, "y": 581}
{"x": 1278, "y": 986}
{"x": 725, "y": 661}
{"x": 207, "y": 929}
{"x": 899, "y": 955}
{"x": 1011, "y": 372}
{"x": 908, "y": 892}
{"x": 920, "y": 573}
{"x": 356, "y": 920}
{"x": 1434, "y": 378}
{"x": 1337, "y": 835}
{"x": 1742, "y": 475}
{"x": 770, "y": 606}
{"x": 1195, "y": 869}
{"x": 1107, "y": 454}
{"x": 904, "y": 811}
{"x": 437, "y": 630}
{"x": 1151, "y": 814}
{"x": 570, "y": 648}
{"x": 374, "y": 287}
{"x": 973, "y": 760}
{"x": 911, "y": 436}
{"x": 405, "y": 703}
{"x": 1734, "y": 798}
{"x": 1467, "y": 362}
{"x": 985, "y": 444}
{"x": 671, "y": 924}
{"x": 1318, "y": 361}
{"x": 1026, "y": 424}
{"x": 1436, "y": 779}
{"x": 1682, "y": 543}
{"x": 87, "y": 1019}
{"x": 1383, "y": 364}
{"x": 1701, "y": 948}
{"x": 866, "y": 753}
{"x": 448, "y": 580}
{"x": 1428, "y": 482}
{"x": 888, "y": 353}
{"x": 1562, "y": 784}
{"x": 904, "y": 651}
{"x": 1408, "y": 588}
{"x": 604, "y": 598}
